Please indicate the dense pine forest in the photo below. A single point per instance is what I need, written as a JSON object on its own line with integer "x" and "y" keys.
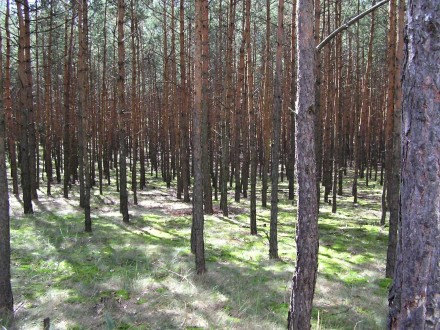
{"x": 219, "y": 164}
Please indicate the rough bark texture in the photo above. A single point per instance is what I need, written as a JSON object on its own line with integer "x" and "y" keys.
{"x": 6, "y": 299}
{"x": 304, "y": 279}
{"x": 415, "y": 294}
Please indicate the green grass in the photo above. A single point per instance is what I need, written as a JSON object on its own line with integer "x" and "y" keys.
{"x": 141, "y": 275}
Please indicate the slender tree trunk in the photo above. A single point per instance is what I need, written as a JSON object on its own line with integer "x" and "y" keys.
{"x": 318, "y": 107}
{"x": 25, "y": 89}
{"x": 206, "y": 164}
{"x": 198, "y": 218}
{"x": 291, "y": 133}
{"x": 48, "y": 104}
{"x": 266, "y": 107}
{"x": 10, "y": 124}
{"x": 134, "y": 106}
{"x": 391, "y": 63}
{"x": 67, "y": 119}
{"x": 31, "y": 113}
{"x": 253, "y": 121}
{"x": 227, "y": 110}
{"x": 356, "y": 137}
{"x": 276, "y": 132}
{"x": 244, "y": 184}
{"x": 102, "y": 113}
{"x": 307, "y": 242}
{"x": 83, "y": 134}
{"x": 123, "y": 194}
{"x": 184, "y": 154}
{"x": 165, "y": 111}
{"x": 394, "y": 183}
{"x": 337, "y": 123}
{"x": 414, "y": 296}
{"x": 238, "y": 122}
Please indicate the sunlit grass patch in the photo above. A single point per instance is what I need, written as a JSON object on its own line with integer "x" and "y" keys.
{"x": 141, "y": 275}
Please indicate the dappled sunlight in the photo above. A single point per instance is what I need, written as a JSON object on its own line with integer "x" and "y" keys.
{"x": 143, "y": 272}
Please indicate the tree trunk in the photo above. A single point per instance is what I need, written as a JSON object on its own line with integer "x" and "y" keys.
{"x": 83, "y": 134}
{"x": 414, "y": 296}
{"x": 276, "y": 131}
{"x": 267, "y": 98}
{"x": 307, "y": 242}
{"x": 198, "y": 218}
{"x": 253, "y": 121}
{"x": 184, "y": 153}
{"x": 48, "y": 104}
{"x": 293, "y": 88}
{"x": 227, "y": 109}
{"x": 25, "y": 89}
{"x": 6, "y": 298}
{"x": 394, "y": 179}
{"x": 134, "y": 106}
{"x": 30, "y": 102}
{"x": 123, "y": 194}
{"x": 356, "y": 134}
{"x": 10, "y": 124}
{"x": 67, "y": 120}
{"x": 206, "y": 152}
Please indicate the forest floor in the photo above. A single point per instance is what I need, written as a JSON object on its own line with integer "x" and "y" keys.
{"x": 141, "y": 275}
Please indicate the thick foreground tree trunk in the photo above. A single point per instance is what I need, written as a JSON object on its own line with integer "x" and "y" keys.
{"x": 6, "y": 300}
{"x": 304, "y": 279}
{"x": 415, "y": 294}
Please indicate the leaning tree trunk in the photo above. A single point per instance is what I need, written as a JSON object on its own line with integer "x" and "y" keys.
{"x": 414, "y": 296}
{"x": 304, "y": 279}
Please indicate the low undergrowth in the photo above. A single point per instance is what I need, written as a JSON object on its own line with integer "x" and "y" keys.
{"x": 141, "y": 275}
